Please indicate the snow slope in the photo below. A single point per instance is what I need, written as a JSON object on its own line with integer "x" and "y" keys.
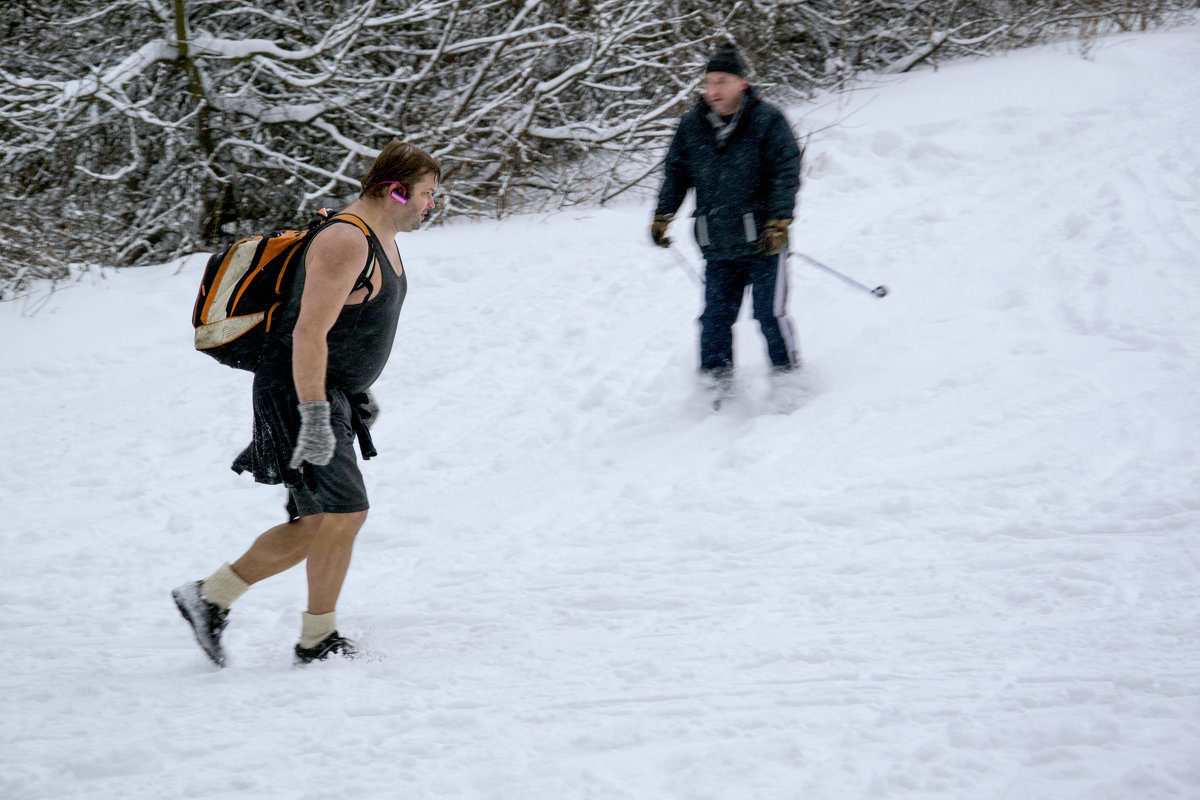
{"x": 967, "y": 568}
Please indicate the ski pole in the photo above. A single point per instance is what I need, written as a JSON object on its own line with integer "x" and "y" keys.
{"x": 878, "y": 291}
{"x": 692, "y": 272}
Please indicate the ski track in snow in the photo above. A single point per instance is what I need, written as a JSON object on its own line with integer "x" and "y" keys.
{"x": 966, "y": 568}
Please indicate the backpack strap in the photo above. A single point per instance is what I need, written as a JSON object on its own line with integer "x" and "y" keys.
{"x": 374, "y": 247}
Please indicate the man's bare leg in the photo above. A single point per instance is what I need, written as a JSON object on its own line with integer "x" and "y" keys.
{"x": 329, "y": 559}
{"x": 205, "y": 604}
{"x": 278, "y": 549}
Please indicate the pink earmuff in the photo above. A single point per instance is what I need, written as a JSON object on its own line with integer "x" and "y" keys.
{"x": 399, "y": 194}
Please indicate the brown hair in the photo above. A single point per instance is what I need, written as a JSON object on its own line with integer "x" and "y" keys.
{"x": 402, "y": 162}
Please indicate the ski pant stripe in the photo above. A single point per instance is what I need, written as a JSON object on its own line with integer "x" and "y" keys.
{"x": 786, "y": 329}
{"x": 724, "y": 289}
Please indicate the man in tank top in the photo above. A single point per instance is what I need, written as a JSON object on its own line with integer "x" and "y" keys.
{"x": 311, "y": 402}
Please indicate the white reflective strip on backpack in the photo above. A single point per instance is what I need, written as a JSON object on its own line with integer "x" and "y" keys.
{"x": 702, "y": 230}
{"x": 218, "y": 333}
{"x": 239, "y": 264}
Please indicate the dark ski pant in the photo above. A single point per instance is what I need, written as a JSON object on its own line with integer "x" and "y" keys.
{"x": 724, "y": 285}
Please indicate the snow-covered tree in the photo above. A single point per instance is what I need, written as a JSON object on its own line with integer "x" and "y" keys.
{"x": 133, "y": 131}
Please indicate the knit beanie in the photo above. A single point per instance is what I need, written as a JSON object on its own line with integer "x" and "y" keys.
{"x": 726, "y": 60}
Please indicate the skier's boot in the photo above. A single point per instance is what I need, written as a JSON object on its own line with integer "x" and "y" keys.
{"x": 789, "y": 390}
{"x": 718, "y": 385}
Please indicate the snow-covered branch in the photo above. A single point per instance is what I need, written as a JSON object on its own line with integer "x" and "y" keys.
{"x": 159, "y": 127}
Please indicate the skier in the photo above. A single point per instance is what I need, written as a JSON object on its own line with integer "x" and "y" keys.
{"x": 739, "y": 154}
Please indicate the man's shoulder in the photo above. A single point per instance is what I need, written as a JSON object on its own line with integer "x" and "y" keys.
{"x": 342, "y": 229}
{"x": 696, "y": 111}
{"x": 337, "y": 242}
{"x": 341, "y": 233}
{"x": 767, "y": 110}
{"x": 770, "y": 121}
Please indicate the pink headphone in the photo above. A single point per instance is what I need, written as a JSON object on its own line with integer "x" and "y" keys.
{"x": 399, "y": 194}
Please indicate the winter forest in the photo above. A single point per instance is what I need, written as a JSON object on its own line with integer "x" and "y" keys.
{"x": 136, "y": 131}
{"x": 964, "y": 568}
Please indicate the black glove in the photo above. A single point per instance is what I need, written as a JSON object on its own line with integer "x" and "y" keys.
{"x": 658, "y": 229}
{"x": 315, "y": 442}
{"x": 774, "y": 238}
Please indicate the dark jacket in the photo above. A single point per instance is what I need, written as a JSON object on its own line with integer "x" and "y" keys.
{"x": 750, "y": 178}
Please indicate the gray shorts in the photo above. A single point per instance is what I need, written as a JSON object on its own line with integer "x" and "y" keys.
{"x": 337, "y": 487}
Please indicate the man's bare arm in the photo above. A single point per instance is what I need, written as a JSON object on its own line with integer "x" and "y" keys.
{"x": 333, "y": 263}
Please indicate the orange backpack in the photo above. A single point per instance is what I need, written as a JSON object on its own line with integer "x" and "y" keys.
{"x": 244, "y": 288}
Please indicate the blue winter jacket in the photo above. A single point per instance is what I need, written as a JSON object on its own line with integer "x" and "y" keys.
{"x": 752, "y": 178}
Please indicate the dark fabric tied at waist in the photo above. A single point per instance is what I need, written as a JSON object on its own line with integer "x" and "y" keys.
{"x": 363, "y": 412}
{"x": 269, "y": 453}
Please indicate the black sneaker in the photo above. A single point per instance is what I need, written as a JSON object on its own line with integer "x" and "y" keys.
{"x": 331, "y": 644}
{"x": 206, "y": 619}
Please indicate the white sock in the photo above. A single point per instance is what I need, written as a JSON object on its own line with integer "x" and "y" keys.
{"x": 315, "y": 627}
{"x": 223, "y": 587}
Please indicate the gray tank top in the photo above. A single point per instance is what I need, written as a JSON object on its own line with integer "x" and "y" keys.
{"x": 360, "y": 341}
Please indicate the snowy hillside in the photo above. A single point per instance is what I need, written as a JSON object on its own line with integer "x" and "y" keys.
{"x": 967, "y": 568}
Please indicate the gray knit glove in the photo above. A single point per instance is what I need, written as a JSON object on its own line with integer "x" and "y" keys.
{"x": 315, "y": 442}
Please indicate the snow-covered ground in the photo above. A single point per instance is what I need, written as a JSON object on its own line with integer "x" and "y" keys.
{"x": 967, "y": 568}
